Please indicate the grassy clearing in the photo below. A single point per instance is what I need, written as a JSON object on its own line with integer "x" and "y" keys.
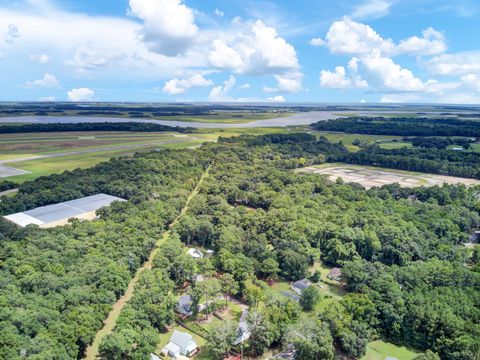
{"x": 380, "y": 350}
{"x": 348, "y": 139}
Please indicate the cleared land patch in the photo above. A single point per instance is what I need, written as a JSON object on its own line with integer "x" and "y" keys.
{"x": 369, "y": 177}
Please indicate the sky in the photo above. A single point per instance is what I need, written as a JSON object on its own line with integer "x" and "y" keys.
{"x": 325, "y": 51}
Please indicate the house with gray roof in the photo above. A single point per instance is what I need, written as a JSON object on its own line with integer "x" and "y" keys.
{"x": 243, "y": 332}
{"x": 184, "y": 305}
{"x": 181, "y": 344}
{"x": 300, "y": 285}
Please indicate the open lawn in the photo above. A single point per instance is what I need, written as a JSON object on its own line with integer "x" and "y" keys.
{"x": 369, "y": 176}
{"x": 380, "y": 350}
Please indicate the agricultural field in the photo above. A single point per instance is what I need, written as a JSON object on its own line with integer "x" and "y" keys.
{"x": 369, "y": 177}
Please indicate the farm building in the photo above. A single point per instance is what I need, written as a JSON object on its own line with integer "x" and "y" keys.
{"x": 58, "y": 214}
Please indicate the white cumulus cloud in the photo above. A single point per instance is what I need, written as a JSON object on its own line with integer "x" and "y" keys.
{"x": 180, "y": 85}
{"x": 431, "y": 43}
{"x": 48, "y": 81}
{"x": 257, "y": 49}
{"x": 169, "y": 25}
{"x": 317, "y": 41}
{"x": 278, "y": 98}
{"x": 338, "y": 79}
{"x": 220, "y": 93}
{"x": 462, "y": 63}
{"x": 81, "y": 94}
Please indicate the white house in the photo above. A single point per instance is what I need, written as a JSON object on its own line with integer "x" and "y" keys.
{"x": 195, "y": 253}
{"x": 300, "y": 285}
{"x": 180, "y": 344}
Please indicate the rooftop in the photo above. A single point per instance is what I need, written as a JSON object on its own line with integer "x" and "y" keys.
{"x": 302, "y": 284}
{"x": 65, "y": 210}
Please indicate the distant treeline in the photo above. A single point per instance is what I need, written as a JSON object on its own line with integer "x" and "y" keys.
{"x": 434, "y": 161}
{"x": 402, "y": 126}
{"x": 438, "y": 143}
{"x": 101, "y": 126}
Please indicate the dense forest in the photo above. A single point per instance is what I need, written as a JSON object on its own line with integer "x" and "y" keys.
{"x": 408, "y": 276}
{"x": 99, "y": 126}
{"x": 402, "y": 126}
{"x": 57, "y": 285}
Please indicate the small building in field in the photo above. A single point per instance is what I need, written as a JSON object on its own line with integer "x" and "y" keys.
{"x": 181, "y": 344}
{"x": 243, "y": 332}
{"x": 195, "y": 253}
{"x": 300, "y": 285}
{"x": 58, "y": 214}
{"x": 335, "y": 274}
{"x": 184, "y": 305}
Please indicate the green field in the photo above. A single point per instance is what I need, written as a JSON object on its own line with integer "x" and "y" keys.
{"x": 380, "y": 350}
{"x": 348, "y": 139}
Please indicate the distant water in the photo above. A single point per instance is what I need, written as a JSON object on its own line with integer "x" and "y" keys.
{"x": 304, "y": 118}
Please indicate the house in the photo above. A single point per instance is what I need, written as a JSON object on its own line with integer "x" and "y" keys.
{"x": 300, "y": 285}
{"x": 195, "y": 253}
{"x": 335, "y": 274}
{"x": 154, "y": 357}
{"x": 184, "y": 305}
{"x": 181, "y": 344}
{"x": 243, "y": 332}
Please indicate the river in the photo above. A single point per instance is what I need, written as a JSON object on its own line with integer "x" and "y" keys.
{"x": 303, "y": 118}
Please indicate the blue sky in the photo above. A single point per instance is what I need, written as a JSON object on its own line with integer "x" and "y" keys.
{"x": 370, "y": 51}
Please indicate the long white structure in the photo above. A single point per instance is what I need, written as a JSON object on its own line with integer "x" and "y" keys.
{"x": 58, "y": 214}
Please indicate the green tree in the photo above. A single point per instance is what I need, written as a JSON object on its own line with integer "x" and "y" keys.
{"x": 309, "y": 298}
{"x": 220, "y": 339}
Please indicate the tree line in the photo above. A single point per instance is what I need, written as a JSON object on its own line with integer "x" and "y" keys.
{"x": 401, "y": 126}
{"x": 97, "y": 126}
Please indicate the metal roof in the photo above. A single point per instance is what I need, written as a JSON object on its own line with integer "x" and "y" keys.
{"x": 302, "y": 284}
{"x": 56, "y": 212}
